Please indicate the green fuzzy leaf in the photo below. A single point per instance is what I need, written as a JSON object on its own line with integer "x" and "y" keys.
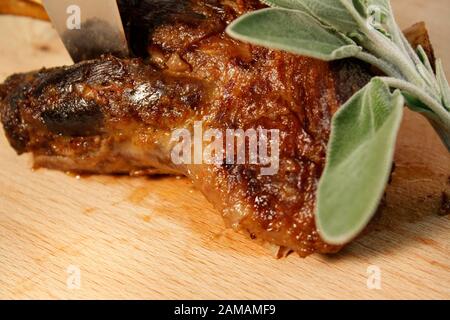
{"x": 329, "y": 12}
{"x": 359, "y": 161}
{"x": 292, "y": 31}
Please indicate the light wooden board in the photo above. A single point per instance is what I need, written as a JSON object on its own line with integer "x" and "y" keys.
{"x": 159, "y": 238}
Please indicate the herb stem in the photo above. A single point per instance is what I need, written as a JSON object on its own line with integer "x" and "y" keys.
{"x": 435, "y": 106}
{"x": 400, "y": 38}
{"x": 384, "y": 47}
{"x": 384, "y": 66}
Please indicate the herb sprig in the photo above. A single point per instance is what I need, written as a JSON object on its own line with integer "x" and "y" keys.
{"x": 364, "y": 130}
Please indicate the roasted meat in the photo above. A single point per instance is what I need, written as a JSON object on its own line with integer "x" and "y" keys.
{"x": 117, "y": 115}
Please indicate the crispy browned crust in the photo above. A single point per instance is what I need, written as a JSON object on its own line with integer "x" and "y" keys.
{"x": 116, "y": 116}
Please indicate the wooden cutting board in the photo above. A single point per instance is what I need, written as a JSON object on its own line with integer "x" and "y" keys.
{"x": 159, "y": 238}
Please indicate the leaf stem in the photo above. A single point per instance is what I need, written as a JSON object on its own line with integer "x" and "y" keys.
{"x": 400, "y": 38}
{"x": 434, "y": 105}
{"x": 383, "y": 47}
{"x": 384, "y": 66}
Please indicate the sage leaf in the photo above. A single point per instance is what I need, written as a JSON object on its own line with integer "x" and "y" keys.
{"x": 443, "y": 84}
{"x": 292, "y": 31}
{"x": 359, "y": 161}
{"x": 329, "y": 12}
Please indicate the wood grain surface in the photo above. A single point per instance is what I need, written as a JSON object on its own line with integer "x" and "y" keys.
{"x": 159, "y": 238}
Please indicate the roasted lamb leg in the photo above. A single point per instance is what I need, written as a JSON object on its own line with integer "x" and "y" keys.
{"x": 117, "y": 116}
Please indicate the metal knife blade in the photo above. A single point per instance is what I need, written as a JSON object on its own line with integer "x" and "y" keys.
{"x": 88, "y": 28}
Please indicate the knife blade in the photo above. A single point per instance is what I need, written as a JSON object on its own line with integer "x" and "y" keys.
{"x": 88, "y": 28}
